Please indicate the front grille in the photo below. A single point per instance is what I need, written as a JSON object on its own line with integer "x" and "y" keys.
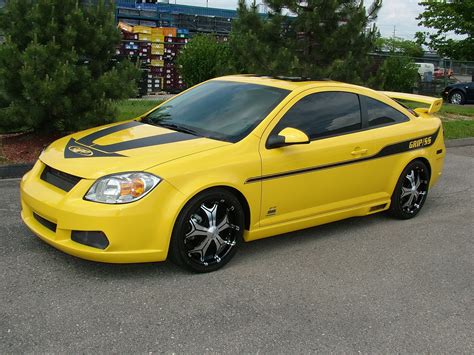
{"x": 59, "y": 179}
{"x": 48, "y": 224}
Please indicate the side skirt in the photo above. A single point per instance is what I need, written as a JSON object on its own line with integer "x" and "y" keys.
{"x": 313, "y": 221}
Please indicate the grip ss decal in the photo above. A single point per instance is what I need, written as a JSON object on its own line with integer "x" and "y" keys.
{"x": 392, "y": 149}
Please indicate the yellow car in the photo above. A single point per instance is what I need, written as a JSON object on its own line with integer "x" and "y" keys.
{"x": 233, "y": 159}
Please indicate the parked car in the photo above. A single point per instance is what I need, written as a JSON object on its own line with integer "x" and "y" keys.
{"x": 440, "y": 73}
{"x": 459, "y": 94}
{"x": 233, "y": 159}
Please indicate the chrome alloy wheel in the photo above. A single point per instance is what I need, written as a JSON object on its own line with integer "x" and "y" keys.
{"x": 414, "y": 190}
{"x": 211, "y": 234}
{"x": 456, "y": 98}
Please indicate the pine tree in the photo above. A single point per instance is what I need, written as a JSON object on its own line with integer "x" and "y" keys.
{"x": 56, "y": 66}
{"x": 312, "y": 38}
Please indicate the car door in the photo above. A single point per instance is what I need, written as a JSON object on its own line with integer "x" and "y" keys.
{"x": 388, "y": 127}
{"x": 470, "y": 91}
{"x": 324, "y": 176}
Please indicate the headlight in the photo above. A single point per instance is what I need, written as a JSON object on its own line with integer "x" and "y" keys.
{"x": 122, "y": 188}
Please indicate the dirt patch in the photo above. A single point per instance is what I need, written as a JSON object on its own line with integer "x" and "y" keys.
{"x": 24, "y": 147}
{"x": 455, "y": 117}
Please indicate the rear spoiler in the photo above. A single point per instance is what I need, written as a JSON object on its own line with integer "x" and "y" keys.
{"x": 434, "y": 103}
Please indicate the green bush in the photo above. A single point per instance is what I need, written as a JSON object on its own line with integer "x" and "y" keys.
{"x": 203, "y": 58}
{"x": 56, "y": 66}
{"x": 399, "y": 73}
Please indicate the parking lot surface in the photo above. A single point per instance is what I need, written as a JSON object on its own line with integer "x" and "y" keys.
{"x": 369, "y": 284}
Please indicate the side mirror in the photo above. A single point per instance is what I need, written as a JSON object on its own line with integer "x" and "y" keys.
{"x": 287, "y": 136}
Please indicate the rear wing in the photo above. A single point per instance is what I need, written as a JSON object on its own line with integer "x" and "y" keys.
{"x": 434, "y": 103}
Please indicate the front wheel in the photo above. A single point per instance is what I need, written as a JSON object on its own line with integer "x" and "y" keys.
{"x": 411, "y": 191}
{"x": 456, "y": 98}
{"x": 207, "y": 231}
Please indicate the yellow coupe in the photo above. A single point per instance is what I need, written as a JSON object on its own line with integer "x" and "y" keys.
{"x": 233, "y": 159}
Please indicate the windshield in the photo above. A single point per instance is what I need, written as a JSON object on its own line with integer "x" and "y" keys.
{"x": 220, "y": 110}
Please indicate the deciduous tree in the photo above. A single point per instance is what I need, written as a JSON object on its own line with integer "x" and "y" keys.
{"x": 400, "y": 46}
{"x": 202, "y": 59}
{"x": 445, "y": 17}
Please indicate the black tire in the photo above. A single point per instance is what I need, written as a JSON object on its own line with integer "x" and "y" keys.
{"x": 456, "y": 97}
{"x": 205, "y": 251}
{"x": 411, "y": 191}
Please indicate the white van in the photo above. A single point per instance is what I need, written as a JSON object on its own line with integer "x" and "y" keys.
{"x": 425, "y": 69}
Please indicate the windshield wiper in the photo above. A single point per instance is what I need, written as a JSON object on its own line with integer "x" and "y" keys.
{"x": 176, "y": 128}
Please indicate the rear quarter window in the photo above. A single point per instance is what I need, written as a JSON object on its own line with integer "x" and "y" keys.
{"x": 380, "y": 114}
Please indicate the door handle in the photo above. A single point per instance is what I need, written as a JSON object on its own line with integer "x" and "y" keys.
{"x": 358, "y": 151}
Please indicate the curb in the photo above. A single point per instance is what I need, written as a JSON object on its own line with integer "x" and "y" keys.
{"x": 461, "y": 142}
{"x": 15, "y": 171}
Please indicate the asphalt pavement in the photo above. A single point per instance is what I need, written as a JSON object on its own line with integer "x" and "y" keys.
{"x": 369, "y": 284}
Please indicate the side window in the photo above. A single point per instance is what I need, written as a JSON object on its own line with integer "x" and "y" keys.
{"x": 323, "y": 114}
{"x": 381, "y": 114}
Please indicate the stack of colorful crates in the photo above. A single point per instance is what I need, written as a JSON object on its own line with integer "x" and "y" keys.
{"x": 156, "y": 48}
{"x": 174, "y": 43}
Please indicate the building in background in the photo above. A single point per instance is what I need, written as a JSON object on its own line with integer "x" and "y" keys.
{"x": 155, "y": 32}
{"x": 195, "y": 19}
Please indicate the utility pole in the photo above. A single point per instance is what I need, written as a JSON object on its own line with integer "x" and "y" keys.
{"x": 393, "y": 42}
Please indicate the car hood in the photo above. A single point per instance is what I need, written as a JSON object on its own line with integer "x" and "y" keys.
{"x": 120, "y": 147}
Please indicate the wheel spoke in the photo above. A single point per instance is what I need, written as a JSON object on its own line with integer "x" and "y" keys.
{"x": 409, "y": 202}
{"x": 418, "y": 182}
{"x": 196, "y": 229}
{"x": 405, "y": 192}
{"x": 411, "y": 178}
{"x": 224, "y": 224}
{"x": 220, "y": 245}
{"x": 201, "y": 249}
{"x": 211, "y": 214}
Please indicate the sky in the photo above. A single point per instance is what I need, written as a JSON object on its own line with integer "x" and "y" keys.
{"x": 399, "y": 13}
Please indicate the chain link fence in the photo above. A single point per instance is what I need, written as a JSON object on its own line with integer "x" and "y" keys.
{"x": 445, "y": 72}
{"x": 436, "y": 73}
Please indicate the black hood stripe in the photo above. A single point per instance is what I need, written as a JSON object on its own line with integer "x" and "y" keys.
{"x": 89, "y": 139}
{"x": 412, "y": 144}
{"x": 85, "y": 148}
{"x": 146, "y": 142}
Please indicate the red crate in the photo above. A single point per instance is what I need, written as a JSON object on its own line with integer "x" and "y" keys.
{"x": 129, "y": 36}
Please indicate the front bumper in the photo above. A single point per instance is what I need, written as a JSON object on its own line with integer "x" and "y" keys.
{"x": 137, "y": 232}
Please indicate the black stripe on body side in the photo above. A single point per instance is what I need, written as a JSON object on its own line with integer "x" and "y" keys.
{"x": 392, "y": 149}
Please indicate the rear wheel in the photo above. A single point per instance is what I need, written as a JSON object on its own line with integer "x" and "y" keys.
{"x": 411, "y": 191}
{"x": 456, "y": 98}
{"x": 208, "y": 231}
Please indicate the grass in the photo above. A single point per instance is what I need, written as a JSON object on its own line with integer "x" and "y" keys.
{"x": 458, "y": 129}
{"x": 458, "y": 121}
{"x": 447, "y": 109}
{"x": 458, "y": 110}
{"x": 128, "y": 109}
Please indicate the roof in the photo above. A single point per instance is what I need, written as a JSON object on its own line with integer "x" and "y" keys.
{"x": 178, "y": 9}
{"x": 288, "y": 83}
